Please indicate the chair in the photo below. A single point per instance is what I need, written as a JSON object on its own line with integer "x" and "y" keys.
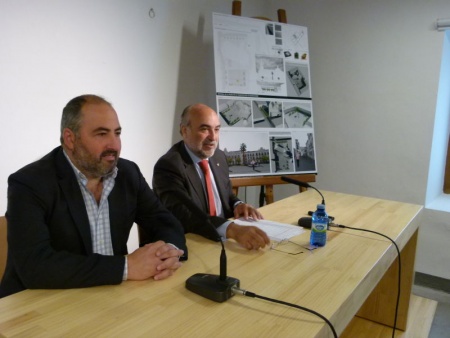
{"x": 3, "y": 245}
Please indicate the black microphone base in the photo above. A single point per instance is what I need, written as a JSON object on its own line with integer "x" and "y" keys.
{"x": 211, "y": 287}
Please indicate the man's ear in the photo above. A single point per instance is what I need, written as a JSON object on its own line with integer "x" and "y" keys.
{"x": 69, "y": 138}
{"x": 182, "y": 130}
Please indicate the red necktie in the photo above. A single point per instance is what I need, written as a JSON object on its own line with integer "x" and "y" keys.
{"x": 204, "y": 165}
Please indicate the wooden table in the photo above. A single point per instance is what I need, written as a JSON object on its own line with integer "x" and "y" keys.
{"x": 334, "y": 280}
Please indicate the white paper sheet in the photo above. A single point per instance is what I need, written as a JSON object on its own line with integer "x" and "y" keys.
{"x": 276, "y": 231}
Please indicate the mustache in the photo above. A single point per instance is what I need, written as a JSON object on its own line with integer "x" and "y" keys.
{"x": 108, "y": 152}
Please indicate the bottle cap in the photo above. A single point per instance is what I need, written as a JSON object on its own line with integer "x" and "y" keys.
{"x": 321, "y": 206}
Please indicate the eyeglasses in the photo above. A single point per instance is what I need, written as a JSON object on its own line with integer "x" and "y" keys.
{"x": 289, "y": 247}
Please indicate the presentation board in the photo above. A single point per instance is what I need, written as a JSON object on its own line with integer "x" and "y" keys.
{"x": 263, "y": 96}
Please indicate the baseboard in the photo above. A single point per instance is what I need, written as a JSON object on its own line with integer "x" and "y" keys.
{"x": 432, "y": 282}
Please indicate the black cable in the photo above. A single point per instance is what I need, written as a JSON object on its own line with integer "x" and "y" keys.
{"x": 254, "y": 295}
{"x": 399, "y": 268}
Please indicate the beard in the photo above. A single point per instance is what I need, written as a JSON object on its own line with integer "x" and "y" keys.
{"x": 91, "y": 165}
{"x": 205, "y": 154}
{"x": 201, "y": 153}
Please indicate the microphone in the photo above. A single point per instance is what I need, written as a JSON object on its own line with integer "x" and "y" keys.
{"x": 302, "y": 184}
{"x": 213, "y": 287}
{"x": 306, "y": 222}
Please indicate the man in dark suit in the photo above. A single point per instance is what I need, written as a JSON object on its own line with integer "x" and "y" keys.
{"x": 180, "y": 183}
{"x": 70, "y": 213}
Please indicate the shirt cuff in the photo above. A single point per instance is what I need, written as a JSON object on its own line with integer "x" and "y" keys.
{"x": 222, "y": 230}
{"x": 125, "y": 269}
{"x": 173, "y": 246}
{"x": 237, "y": 203}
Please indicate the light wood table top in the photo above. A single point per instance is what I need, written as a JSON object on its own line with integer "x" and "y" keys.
{"x": 334, "y": 280}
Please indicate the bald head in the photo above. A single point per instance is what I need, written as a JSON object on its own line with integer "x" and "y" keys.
{"x": 200, "y": 128}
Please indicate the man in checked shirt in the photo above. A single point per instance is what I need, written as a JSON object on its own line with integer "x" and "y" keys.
{"x": 70, "y": 213}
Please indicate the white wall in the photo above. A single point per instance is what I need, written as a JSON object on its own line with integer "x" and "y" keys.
{"x": 374, "y": 67}
{"x": 149, "y": 68}
{"x": 375, "y": 73}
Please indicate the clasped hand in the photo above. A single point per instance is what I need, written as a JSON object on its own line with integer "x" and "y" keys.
{"x": 158, "y": 260}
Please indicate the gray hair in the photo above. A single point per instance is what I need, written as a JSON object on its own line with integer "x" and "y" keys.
{"x": 185, "y": 116}
{"x": 185, "y": 120}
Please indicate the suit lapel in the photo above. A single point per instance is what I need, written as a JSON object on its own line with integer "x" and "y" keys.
{"x": 193, "y": 177}
{"x": 118, "y": 201}
{"x": 71, "y": 190}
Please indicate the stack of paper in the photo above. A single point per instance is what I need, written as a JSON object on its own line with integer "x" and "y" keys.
{"x": 276, "y": 231}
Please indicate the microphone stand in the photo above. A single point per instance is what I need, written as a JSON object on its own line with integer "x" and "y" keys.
{"x": 302, "y": 184}
{"x": 214, "y": 287}
{"x": 218, "y": 288}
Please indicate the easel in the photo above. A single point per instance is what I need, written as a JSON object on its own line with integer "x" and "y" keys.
{"x": 266, "y": 182}
{"x": 236, "y": 10}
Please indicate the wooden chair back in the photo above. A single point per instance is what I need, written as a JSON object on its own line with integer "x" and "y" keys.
{"x": 3, "y": 245}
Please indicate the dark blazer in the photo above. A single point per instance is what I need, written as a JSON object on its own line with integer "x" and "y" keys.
{"x": 178, "y": 185}
{"x": 49, "y": 239}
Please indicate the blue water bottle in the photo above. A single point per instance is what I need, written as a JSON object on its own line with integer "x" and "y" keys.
{"x": 319, "y": 226}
